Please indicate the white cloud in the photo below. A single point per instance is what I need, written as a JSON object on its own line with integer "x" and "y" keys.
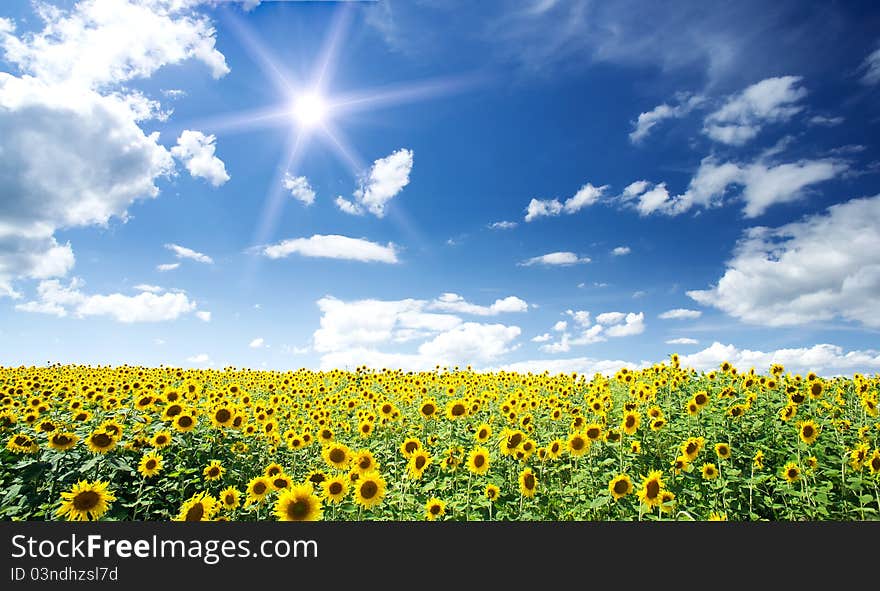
{"x": 203, "y": 315}
{"x": 680, "y": 314}
{"x": 560, "y": 326}
{"x": 824, "y": 359}
{"x": 617, "y": 324}
{"x": 825, "y": 121}
{"x": 610, "y": 317}
{"x": 682, "y": 341}
{"x": 200, "y": 359}
{"x": 587, "y": 195}
{"x": 299, "y": 188}
{"x": 743, "y": 115}
{"x": 452, "y": 302}
{"x": 555, "y": 259}
{"x": 149, "y": 288}
{"x": 763, "y": 185}
{"x": 74, "y": 152}
{"x": 646, "y": 121}
{"x": 183, "y": 252}
{"x": 333, "y": 247}
{"x": 542, "y": 338}
{"x": 823, "y": 267}
{"x": 257, "y": 343}
{"x": 384, "y": 181}
{"x": 351, "y": 331}
{"x": 580, "y": 317}
{"x": 167, "y": 267}
{"x": 582, "y": 365}
{"x": 503, "y": 225}
{"x": 60, "y": 300}
{"x": 100, "y": 43}
{"x": 871, "y": 65}
{"x": 196, "y": 151}
{"x": 621, "y": 251}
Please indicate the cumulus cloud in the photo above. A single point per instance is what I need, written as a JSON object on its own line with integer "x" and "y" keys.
{"x": 384, "y": 181}
{"x": 621, "y": 251}
{"x": 351, "y": 332}
{"x": 582, "y": 365}
{"x": 555, "y": 259}
{"x": 825, "y": 121}
{"x": 646, "y": 121}
{"x": 196, "y": 151}
{"x": 203, "y": 315}
{"x": 452, "y": 302}
{"x": 680, "y": 314}
{"x": 74, "y": 153}
{"x": 743, "y": 115}
{"x": 333, "y": 246}
{"x": 823, "y": 267}
{"x": 585, "y": 332}
{"x": 257, "y": 343}
{"x": 542, "y": 338}
{"x": 587, "y": 195}
{"x": 632, "y": 324}
{"x": 299, "y": 188}
{"x": 164, "y": 267}
{"x": 183, "y": 252}
{"x": 682, "y": 341}
{"x": 61, "y": 300}
{"x": 762, "y": 186}
{"x": 824, "y": 359}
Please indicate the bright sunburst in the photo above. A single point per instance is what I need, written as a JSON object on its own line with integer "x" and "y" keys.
{"x": 310, "y": 110}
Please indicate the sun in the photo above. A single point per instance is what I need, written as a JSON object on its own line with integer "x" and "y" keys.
{"x": 310, "y": 110}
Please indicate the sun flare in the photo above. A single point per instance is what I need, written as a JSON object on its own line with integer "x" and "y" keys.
{"x": 310, "y": 110}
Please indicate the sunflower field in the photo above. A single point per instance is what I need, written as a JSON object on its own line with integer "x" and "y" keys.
{"x": 662, "y": 443}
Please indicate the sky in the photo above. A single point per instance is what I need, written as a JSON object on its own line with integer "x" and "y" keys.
{"x": 558, "y": 185}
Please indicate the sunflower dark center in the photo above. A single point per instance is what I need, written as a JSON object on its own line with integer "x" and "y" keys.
{"x": 458, "y": 410}
{"x": 260, "y": 488}
{"x": 185, "y": 421}
{"x": 174, "y": 410}
{"x": 479, "y": 460}
{"x": 86, "y": 500}
{"x": 337, "y": 456}
{"x": 420, "y": 462}
{"x": 151, "y": 464}
{"x": 223, "y": 415}
{"x": 435, "y": 509}
{"x": 577, "y": 444}
{"x": 369, "y": 489}
{"x": 102, "y": 440}
{"x": 298, "y": 509}
{"x": 529, "y": 481}
{"x": 808, "y": 431}
{"x": 195, "y": 513}
{"x": 335, "y": 488}
{"x": 652, "y": 489}
{"x": 620, "y": 487}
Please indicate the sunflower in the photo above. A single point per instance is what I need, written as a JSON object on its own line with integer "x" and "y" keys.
{"x": 428, "y": 409}
{"x": 316, "y": 477}
{"x": 758, "y": 460}
{"x": 410, "y": 446}
{"x": 86, "y": 501}
{"x": 483, "y": 433}
{"x": 667, "y": 501}
{"x": 478, "y": 460}
{"x": 722, "y": 450}
{"x": 701, "y": 399}
{"x": 873, "y": 462}
{"x": 578, "y": 444}
{"x": 100, "y": 442}
{"x": 434, "y": 508}
{"x": 230, "y": 498}
{"x": 691, "y": 447}
{"x": 150, "y": 464}
{"x": 364, "y": 461}
{"x": 281, "y": 481}
{"x": 709, "y": 471}
{"x": 593, "y": 432}
{"x": 787, "y": 412}
{"x": 298, "y": 504}
{"x": 658, "y": 424}
{"x": 335, "y": 488}
{"x": 631, "y": 422}
{"x": 366, "y": 428}
{"x": 222, "y": 416}
{"x": 161, "y": 439}
{"x": 257, "y": 489}
{"x": 652, "y": 488}
{"x": 417, "y": 464}
{"x": 492, "y": 492}
{"x": 510, "y": 441}
{"x": 370, "y": 490}
{"x": 555, "y": 449}
{"x": 715, "y": 516}
{"x": 808, "y": 431}
{"x": 62, "y": 441}
{"x": 693, "y": 408}
{"x": 456, "y": 409}
{"x": 620, "y": 486}
{"x": 337, "y": 455}
{"x": 791, "y": 472}
{"x": 199, "y": 507}
{"x": 184, "y": 423}
{"x": 213, "y": 471}
{"x": 528, "y": 484}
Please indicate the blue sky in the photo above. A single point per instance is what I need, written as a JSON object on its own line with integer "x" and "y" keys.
{"x": 560, "y": 185}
